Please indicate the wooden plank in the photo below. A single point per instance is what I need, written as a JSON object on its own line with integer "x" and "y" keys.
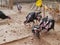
{"x": 11, "y": 4}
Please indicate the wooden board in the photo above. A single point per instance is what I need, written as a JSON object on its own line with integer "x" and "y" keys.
{"x": 12, "y": 32}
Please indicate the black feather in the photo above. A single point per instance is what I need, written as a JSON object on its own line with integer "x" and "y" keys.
{"x": 3, "y": 16}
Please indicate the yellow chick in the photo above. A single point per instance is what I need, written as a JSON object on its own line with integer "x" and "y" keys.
{"x": 39, "y": 3}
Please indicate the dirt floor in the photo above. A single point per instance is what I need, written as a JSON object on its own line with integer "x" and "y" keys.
{"x": 14, "y": 30}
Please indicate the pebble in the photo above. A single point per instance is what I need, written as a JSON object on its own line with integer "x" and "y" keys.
{"x": 8, "y": 23}
{"x": 4, "y": 39}
{"x": 13, "y": 31}
{"x": 6, "y": 31}
{"x": 57, "y": 38}
{"x": 25, "y": 42}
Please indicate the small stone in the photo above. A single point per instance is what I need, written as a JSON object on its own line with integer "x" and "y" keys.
{"x": 25, "y": 42}
{"x": 57, "y": 38}
{"x": 13, "y": 31}
{"x": 8, "y": 23}
{"x": 32, "y": 39}
{"x": 6, "y": 31}
{"x": 4, "y": 39}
